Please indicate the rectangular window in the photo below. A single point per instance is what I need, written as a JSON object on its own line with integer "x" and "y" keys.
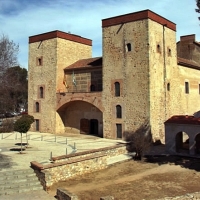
{"x": 119, "y": 130}
{"x": 37, "y": 125}
{"x": 187, "y": 87}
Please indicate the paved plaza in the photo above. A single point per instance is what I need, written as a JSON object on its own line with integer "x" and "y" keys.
{"x": 42, "y": 146}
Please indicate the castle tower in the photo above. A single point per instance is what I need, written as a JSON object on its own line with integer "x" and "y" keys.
{"x": 49, "y": 54}
{"x": 138, "y": 49}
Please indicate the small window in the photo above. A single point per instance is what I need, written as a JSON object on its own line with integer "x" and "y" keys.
{"x": 37, "y": 107}
{"x": 39, "y": 61}
{"x": 187, "y": 87}
{"x": 168, "y": 86}
{"x": 158, "y": 48}
{"x": 117, "y": 89}
{"x": 128, "y": 47}
{"x": 199, "y": 88}
{"x": 41, "y": 92}
{"x": 118, "y": 111}
{"x": 37, "y": 125}
{"x": 169, "y": 52}
{"x": 92, "y": 88}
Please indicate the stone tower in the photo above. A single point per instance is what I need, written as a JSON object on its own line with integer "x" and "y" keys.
{"x": 49, "y": 54}
{"x": 137, "y": 50}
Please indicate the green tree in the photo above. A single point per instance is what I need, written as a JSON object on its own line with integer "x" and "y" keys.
{"x": 15, "y": 90}
{"x": 22, "y": 125}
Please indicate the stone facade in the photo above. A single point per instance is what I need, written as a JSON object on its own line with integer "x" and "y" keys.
{"x": 48, "y": 56}
{"x": 142, "y": 76}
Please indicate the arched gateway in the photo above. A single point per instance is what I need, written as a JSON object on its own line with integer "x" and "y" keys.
{"x": 81, "y": 115}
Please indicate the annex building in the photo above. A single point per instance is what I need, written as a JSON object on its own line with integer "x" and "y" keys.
{"x": 143, "y": 75}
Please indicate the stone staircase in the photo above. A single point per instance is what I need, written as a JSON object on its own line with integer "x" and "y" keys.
{"x": 18, "y": 181}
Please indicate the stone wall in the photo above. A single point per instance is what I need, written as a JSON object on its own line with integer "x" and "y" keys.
{"x": 68, "y": 166}
{"x": 190, "y": 196}
{"x": 48, "y": 56}
{"x": 84, "y": 80}
{"x": 130, "y": 69}
{"x": 162, "y": 62}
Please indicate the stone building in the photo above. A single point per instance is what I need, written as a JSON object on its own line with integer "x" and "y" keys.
{"x": 143, "y": 75}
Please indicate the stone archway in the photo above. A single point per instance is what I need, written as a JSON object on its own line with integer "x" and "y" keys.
{"x": 81, "y": 117}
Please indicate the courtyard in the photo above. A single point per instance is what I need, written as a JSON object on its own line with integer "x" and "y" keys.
{"x": 153, "y": 178}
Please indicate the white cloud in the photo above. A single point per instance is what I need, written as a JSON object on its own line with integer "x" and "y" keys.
{"x": 20, "y": 19}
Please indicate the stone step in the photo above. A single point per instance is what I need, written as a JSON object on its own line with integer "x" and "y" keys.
{"x": 19, "y": 184}
{"x": 19, "y": 190}
{"x": 17, "y": 176}
{"x": 18, "y": 181}
{"x": 16, "y": 172}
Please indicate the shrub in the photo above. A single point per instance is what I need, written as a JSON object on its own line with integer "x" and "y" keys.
{"x": 139, "y": 141}
{"x": 23, "y": 124}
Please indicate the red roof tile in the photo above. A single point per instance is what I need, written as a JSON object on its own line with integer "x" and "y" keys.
{"x": 85, "y": 63}
{"x": 183, "y": 119}
{"x": 188, "y": 63}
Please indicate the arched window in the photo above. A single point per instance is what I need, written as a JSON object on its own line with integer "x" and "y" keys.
{"x": 41, "y": 92}
{"x": 117, "y": 89}
{"x": 37, "y": 107}
{"x": 118, "y": 111}
{"x": 92, "y": 88}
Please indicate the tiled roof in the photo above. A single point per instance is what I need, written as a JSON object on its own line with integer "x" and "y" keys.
{"x": 188, "y": 63}
{"x": 85, "y": 63}
{"x": 183, "y": 119}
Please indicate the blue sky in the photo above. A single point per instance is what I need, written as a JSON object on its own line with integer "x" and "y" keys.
{"x": 20, "y": 19}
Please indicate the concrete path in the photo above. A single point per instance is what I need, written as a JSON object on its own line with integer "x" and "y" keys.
{"x": 41, "y": 147}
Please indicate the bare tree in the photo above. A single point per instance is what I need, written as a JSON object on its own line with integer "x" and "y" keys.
{"x": 139, "y": 141}
{"x": 8, "y": 58}
{"x": 8, "y": 53}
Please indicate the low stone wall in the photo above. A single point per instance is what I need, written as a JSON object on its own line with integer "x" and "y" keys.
{"x": 68, "y": 166}
{"x": 191, "y": 196}
{"x": 63, "y": 194}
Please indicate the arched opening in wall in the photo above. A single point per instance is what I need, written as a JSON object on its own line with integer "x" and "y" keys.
{"x": 117, "y": 89}
{"x": 41, "y": 92}
{"x": 80, "y": 117}
{"x": 118, "y": 111}
{"x": 197, "y": 144}
{"x": 37, "y": 107}
{"x": 94, "y": 127}
{"x": 182, "y": 143}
